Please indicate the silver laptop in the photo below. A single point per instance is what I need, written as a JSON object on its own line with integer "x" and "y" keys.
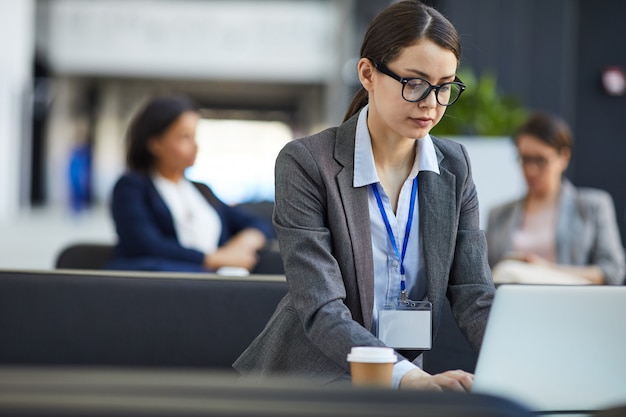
{"x": 556, "y": 349}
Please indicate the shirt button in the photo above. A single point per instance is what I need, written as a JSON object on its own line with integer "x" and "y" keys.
{"x": 394, "y": 264}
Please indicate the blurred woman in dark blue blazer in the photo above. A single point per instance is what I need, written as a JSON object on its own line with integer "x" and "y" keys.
{"x": 166, "y": 222}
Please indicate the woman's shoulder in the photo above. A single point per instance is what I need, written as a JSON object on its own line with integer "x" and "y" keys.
{"x": 311, "y": 151}
{"x": 131, "y": 186}
{"x": 132, "y": 182}
{"x": 132, "y": 178}
{"x": 590, "y": 196}
{"x": 585, "y": 195}
{"x": 325, "y": 141}
{"x": 591, "y": 193}
{"x": 317, "y": 140}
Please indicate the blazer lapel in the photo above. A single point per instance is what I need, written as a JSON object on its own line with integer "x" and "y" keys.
{"x": 160, "y": 208}
{"x": 437, "y": 208}
{"x": 355, "y": 204}
{"x": 567, "y": 223}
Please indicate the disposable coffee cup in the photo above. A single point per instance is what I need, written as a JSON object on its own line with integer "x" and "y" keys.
{"x": 371, "y": 366}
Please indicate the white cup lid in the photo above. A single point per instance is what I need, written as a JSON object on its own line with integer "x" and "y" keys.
{"x": 233, "y": 271}
{"x": 372, "y": 354}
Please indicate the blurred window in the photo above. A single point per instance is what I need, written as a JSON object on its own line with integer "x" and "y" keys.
{"x": 236, "y": 158}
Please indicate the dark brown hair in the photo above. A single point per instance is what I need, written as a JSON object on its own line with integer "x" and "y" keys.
{"x": 151, "y": 121}
{"x": 398, "y": 26}
{"x": 548, "y": 128}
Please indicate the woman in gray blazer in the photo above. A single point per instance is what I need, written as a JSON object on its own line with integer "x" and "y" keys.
{"x": 566, "y": 229}
{"x": 348, "y": 197}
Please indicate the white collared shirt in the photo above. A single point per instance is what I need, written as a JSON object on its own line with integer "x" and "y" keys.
{"x": 386, "y": 262}
{"x": 197, "y": 224}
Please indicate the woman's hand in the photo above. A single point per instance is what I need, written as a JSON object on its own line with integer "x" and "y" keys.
{"x": 591, "y": 273}
{"x": 447, "y": 381}
{"x": 239, "y": 251}
{"x": 533, "y": 258}
{"x": 527, "y": 257}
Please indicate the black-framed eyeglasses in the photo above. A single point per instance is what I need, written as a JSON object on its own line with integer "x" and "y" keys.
{"x": 538, "y": 161}
{"x": 417, "y": 89}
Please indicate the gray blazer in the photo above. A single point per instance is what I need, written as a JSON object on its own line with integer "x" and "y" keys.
{"x": 586, "y": 231}
{"x": 323, "y": 227}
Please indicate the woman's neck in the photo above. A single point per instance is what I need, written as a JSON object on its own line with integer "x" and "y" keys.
{"x": 173, "y": 175}
{"x": 394, "y": 160}
{"x": 540, "y": 201}
{"x": 394, "y": 154}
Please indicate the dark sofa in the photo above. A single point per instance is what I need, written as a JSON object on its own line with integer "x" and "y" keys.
{"x": 131, "y": 319}
{"x": 141, "y": 319}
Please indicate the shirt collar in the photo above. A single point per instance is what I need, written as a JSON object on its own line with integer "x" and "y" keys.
{"x": 166, "y": 182}
{"x": 364, "y": 167}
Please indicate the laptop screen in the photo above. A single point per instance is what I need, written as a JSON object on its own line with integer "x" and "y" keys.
{"x": 556, "y": 349}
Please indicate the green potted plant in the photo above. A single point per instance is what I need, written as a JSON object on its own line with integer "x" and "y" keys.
{"x": 482, "y": 110}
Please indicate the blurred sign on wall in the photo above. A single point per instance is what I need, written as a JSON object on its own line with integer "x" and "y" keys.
{"x": 288, "y": 41}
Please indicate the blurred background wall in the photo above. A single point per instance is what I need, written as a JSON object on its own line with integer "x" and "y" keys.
{"x": 17, "y": 32}
{"x": 72, "y": 73}
{"x": 246, "y": 60}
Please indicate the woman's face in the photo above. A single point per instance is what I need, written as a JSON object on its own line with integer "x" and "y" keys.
{"x": 542, "y": 165}
{"x": 176, "y": 149}
{"x": 390, "y": 113}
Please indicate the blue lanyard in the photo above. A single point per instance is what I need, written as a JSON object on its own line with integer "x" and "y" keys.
{"x": 409, "y": 222}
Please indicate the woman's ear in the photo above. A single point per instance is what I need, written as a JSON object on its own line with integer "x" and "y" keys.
{"x": 365, "y": 69}
{"x": 153, "y": 145}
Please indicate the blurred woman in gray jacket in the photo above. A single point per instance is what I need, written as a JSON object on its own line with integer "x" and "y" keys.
{"x": 556, "y": 225}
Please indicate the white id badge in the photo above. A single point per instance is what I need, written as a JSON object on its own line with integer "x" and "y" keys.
{"x": 407, "y": 325}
